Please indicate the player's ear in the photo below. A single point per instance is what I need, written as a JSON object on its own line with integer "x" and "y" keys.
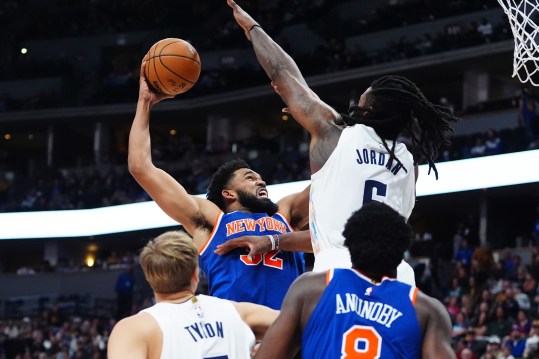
{"x": 228, "y": 194}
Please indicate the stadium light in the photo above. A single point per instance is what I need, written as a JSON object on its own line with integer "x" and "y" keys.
{"x": 455, "y": 176}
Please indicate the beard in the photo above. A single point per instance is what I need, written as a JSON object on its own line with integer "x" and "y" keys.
{"x": 257, "y": 205}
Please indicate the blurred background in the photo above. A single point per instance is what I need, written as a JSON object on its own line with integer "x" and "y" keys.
{"x": 68, "y": 89}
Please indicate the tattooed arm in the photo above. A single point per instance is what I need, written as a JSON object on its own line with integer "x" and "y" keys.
{"x": 317, "y": 117}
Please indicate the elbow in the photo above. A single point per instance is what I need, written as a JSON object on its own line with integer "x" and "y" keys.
{"x": 136, "y": 166}
{"x": 277, "y": 73}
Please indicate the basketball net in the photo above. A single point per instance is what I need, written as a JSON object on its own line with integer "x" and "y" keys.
{"x": 524, "y": 17}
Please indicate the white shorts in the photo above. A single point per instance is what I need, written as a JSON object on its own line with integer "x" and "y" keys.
{"x": 340, "y": 258}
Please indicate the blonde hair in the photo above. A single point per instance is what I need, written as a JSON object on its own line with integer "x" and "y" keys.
{"x": 169, "y": 262}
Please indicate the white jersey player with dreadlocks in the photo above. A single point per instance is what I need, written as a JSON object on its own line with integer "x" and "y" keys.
{"x": 354, "y": 165}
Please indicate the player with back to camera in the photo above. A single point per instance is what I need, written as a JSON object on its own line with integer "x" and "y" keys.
{"x": 182, "y": 324}
{"x": 237, "y": 204}
{"x": 361, "y": 312}
{"x": 354, "y": 158}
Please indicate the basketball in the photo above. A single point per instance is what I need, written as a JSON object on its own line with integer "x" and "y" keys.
{"x": 173, "y": 66}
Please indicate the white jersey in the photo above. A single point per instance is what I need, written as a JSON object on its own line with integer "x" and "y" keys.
{"x": 355, "y": 174}
{"x": 207, "y": 327}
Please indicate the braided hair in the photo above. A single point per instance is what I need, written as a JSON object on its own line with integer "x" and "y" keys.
{"x": 395, "y": 105}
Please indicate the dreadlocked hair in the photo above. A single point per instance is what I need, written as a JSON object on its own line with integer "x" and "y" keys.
{"x": 396, "y": 105}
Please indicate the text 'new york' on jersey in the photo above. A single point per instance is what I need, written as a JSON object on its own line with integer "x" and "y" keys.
{"x": 263, "y": 280}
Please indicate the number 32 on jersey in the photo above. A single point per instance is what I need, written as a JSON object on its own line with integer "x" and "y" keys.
{"x": 361, "y": 342}
{"x": 268, "y": 259}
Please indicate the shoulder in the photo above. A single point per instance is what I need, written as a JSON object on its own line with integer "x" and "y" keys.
{"x": 309, "y": 285}
{"x": 134, "y": 334}
{"x": 431, "y": 311}
{"x": 140, "y": 325}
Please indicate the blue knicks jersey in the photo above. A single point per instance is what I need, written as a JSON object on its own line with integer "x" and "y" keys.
{"x": 263, "y": 280}
{"x": 358, "y": 319}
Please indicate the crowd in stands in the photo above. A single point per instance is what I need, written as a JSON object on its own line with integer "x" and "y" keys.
{"x": 193, "y": 164}
{"x": 55, "y": 335}
{"x": 115, "y": 79}
{"x": 493, "y": 303}
{"x": 492, "y": 299}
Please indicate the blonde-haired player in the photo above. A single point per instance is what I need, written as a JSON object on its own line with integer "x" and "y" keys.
{"x": 182, "y": 324}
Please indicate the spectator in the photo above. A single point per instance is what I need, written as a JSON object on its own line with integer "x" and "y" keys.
{"x": 493, "y": 143}
{"x": 460, "y": 326}
{"x": 535, "y": 230}
{"x": 533, "y": 339}
{"x": 485, "y": 29}
{"x": 453, "y": 307}
{"x": 464, "y": 253}
{"x": 480, "y": 322}
{"x": 506, "y": 353}
{"x": 479, "y": 148}
{"x": 516, "y": 342}
{"x": 500, "y": 325}
{"x": 493, "y": 348}
{"x": 125, "y": 285}
{"x": 524, "y": 324}
{"x": 509, "y": 304}
{"x": 527, "y": 116}
{"x": 466, "y": 353}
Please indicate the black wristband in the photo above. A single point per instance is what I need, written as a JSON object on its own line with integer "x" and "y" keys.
{"x": 252, "y": 27}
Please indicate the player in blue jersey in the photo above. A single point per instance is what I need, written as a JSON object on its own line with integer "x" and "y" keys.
{"x": 362, "y": 312}
{"x": 237, "y": 204}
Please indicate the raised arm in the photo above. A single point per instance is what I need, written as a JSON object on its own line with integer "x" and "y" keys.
{"x": 304, "y": 105}
{"x": 169, "y": 195}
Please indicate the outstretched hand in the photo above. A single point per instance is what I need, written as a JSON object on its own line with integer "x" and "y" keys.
{"x": 254, "y": 244}
{"x": 145, "y": 93}
{"x": 242, "y": 18}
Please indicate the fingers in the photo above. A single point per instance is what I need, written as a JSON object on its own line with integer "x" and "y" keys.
{"x": 221, "y": 249}
{"x": 231, "y": 3}
{"x": 226, "y": 247}
{"x": 142, "y": 68}
{"x": 286, "y": 110}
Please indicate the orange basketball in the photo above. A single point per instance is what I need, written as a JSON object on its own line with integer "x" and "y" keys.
{"x": 173, "y": 66}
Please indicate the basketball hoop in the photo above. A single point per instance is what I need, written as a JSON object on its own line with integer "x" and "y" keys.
{"x": 524, "y": 20}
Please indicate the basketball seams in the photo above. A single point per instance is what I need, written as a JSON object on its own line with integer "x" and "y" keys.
{"x": 185, "y": 43}
{"x": 155, "y": 69}
{"x": 174, "y": 73}
{"x": 176, "y": 55}
{"x": 171, "y": 65}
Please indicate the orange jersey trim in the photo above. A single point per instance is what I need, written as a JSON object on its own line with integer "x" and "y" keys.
{"x": 413, "y": 294}
{"x": 329, "y": 275}
{"x": 285, "y": 220}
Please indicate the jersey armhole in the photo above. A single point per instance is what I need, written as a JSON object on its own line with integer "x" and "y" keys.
{"x": 283, "y": 217}
{"x": 212, "y": 234}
